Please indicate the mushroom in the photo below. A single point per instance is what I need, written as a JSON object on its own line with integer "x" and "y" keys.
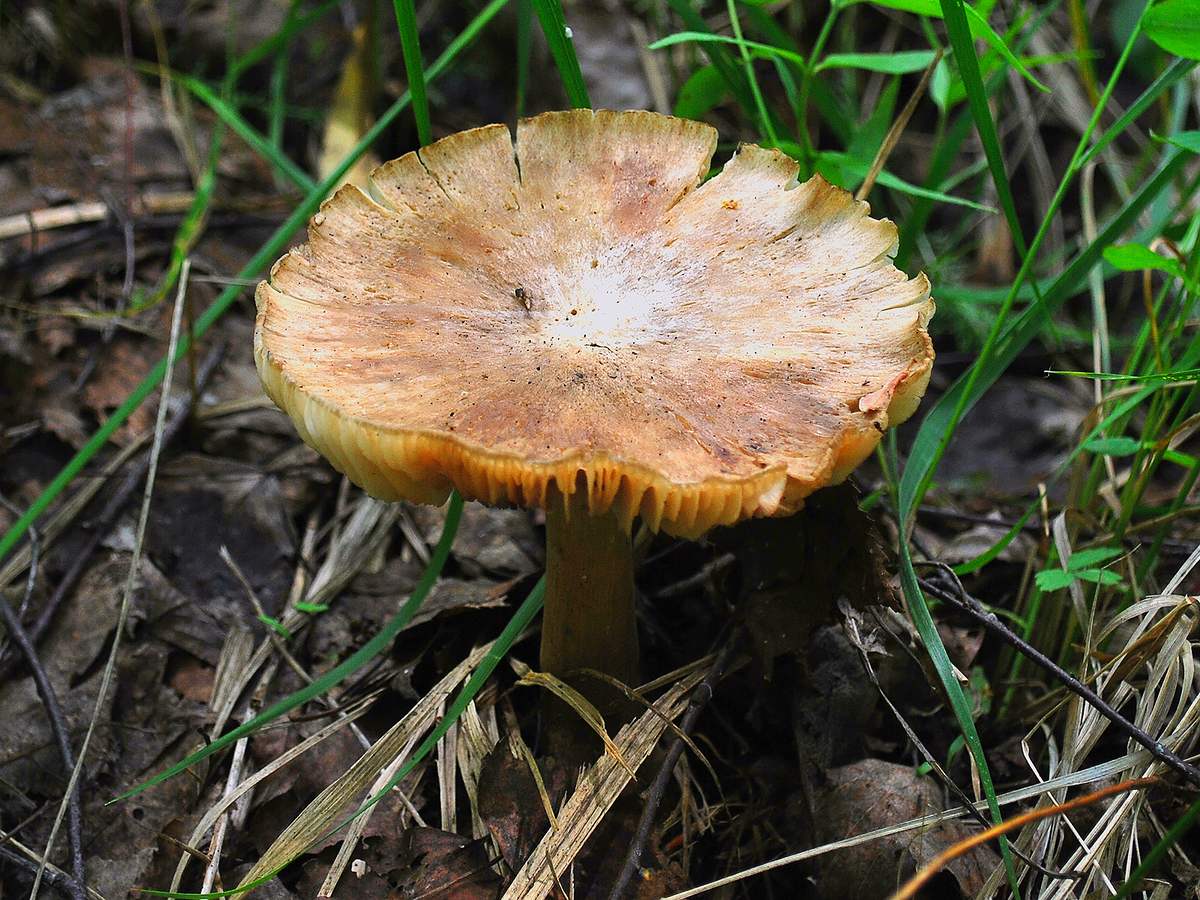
{"x": 580, "y": 322}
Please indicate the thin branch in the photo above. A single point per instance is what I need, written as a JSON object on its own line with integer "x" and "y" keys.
{"x": 965, "y": 603}
{"x": 58, "y": 880}
{"x": 59, "y": 729}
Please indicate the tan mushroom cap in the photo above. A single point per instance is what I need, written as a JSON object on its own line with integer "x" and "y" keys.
{"x": 580, "y": 310}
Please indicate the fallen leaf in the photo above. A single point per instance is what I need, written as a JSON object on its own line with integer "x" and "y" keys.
{"x": 445, "y": 866}
{"x": 872, "y": 794}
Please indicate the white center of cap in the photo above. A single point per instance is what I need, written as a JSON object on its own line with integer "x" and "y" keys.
{"x": 604, "y": 308}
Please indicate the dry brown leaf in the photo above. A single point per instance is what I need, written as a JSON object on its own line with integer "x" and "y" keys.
{"x": 871, "y": 794}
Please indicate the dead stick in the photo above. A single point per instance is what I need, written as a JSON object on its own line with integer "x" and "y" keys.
{"x": 973, "y": 608}
{"x": 58, "y": 729}
{"x": 55, "y": 879}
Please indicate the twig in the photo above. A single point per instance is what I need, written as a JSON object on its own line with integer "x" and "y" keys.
{"x": 897, "y": 129}
{"x": 964, "y": 602}
{"x": 654, "y": 793}
{"x": 126, "y": 210}
{"x": 5, "y": 837}
{"x": 112, "y": 510}
{"x": 35, "y": 552}
{"x": 58, "y": 880}
{"x": 58, "y": 728}
{"x": 38, "y": 221}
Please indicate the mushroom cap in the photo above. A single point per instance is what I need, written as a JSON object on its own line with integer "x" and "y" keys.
{"x": 583, "y": 311}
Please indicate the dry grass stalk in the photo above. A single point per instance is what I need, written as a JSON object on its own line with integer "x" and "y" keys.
{"x": 597, "y": 790}
{"x": 1153, "y": 646}
{"x": 320, "y": 816}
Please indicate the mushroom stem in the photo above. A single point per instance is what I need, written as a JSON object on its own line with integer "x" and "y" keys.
{"x": 588, "y": 622}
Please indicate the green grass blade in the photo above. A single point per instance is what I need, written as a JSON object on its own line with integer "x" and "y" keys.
{"x": 765, "y": 51}
{"x": 1163, "y": 83}
{"x": 410, "y": 45}
{"x": 524, "y": 52}
{"x": 999, "y": 351}
{"x": 887, "y": 179}
{"x": 938, "y": 426}
{"x": 959, "y": 32}
{"x": 279, "y": 40}
{"x": 959, "y": 701}
{"x": 840, "y": 121}
{"x": 277, "y": 100}
{"x": 558, "y": 36}
{"x": 937, "y": 429}
{"x": 948, "y": 147}
{"x": 722, "y": 60}
{"x": 266, "y": 255}
{"x": 237, "y": 123}
{"x": 984, "y": 30}
{"x": 765, "y": 126}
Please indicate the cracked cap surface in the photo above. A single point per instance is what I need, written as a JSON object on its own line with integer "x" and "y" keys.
{"x": 582, "y": 310}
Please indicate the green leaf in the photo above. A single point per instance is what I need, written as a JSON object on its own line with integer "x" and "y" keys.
{"x": 1180, "y": 459}
{"x": 1188, "y": 140}
{"x": 1113, "y": 446}
{"x": 901, "y": 63}
{"x": 920, "y": 7}
{"x": 978, "y": 25}
{"x": 1099, "y": 576}
{"x": 1175, "y": 26}
{"x": 1054, "y": 579}
{"x": 858, "y": 167}
{"x": 941, "y": 86}
{"x": 1135, "y": 258}
{"x": 1092, "y": 557}
{"x": 275, "y": 625}
{"x": 702, "y": 37}
{"x": 826, "y": 165}
{"x": 704, "y": 90}
{"x": 311, "y": 608}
